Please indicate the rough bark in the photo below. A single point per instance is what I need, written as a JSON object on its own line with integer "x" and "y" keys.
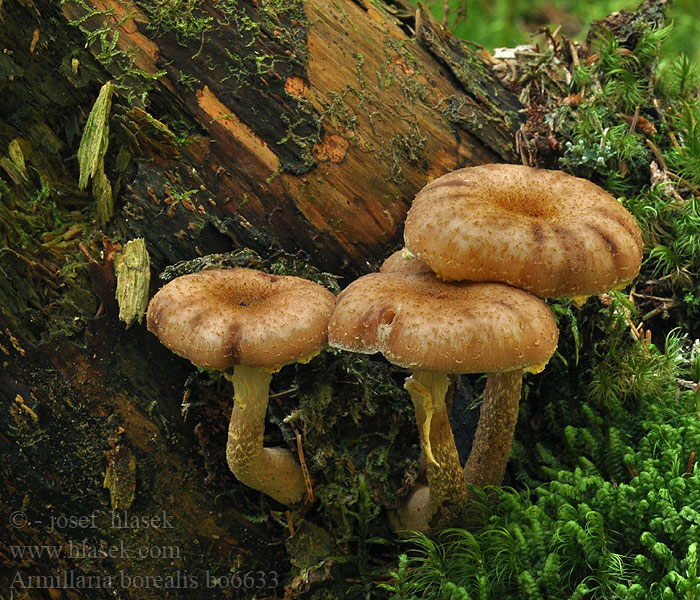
{"x": 321, "y": 130}
{"x": 298, "y": 127}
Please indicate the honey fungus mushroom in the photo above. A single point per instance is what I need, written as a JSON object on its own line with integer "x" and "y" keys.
{"x": 437, "y": 328}
{"x": 543, "y": 231}
{"x": 254, "y": 323}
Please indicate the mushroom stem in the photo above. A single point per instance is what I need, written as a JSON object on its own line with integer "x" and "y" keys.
{"x": 273, "y": 471}
{"x": 487, "y": 461}
{"x": 448, "y": 493}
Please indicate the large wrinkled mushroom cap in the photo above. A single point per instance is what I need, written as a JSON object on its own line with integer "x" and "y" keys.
{"x": 421, "y": 322}
{"x": 543, "y": 231}
{"x": 224, "y": 317}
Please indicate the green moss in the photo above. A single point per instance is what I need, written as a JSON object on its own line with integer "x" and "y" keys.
{"x": 101, "y": 31}
{"x": 40, "y": 264}
{"x": 652, "y": 165}
{"x": 404, "y": 150}
{"x": 185, "y": 18}
{"x": 580, "y": 535}
{"x": 277, "y": 263}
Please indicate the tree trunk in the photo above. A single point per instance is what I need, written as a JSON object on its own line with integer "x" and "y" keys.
{"x": 301, "y": 129}
{"x": 315, "y": 123}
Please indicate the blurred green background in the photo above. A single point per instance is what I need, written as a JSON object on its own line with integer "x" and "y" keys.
{"x": 494, "y": 23}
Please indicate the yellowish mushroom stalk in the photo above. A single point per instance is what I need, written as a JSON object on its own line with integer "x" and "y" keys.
{"x": 273, "y": 471}
{"x": 444, "y": 471}
{"x": 488, "y": 458}
{"x": 422, "y": 400}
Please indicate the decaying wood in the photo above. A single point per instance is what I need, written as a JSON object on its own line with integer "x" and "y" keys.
{"x": 324, "y": 146}
{"x": 302, "y": 127}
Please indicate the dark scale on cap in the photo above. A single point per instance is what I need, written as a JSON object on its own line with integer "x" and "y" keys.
{"x": 612, "y": 246}
{"x": 537, "y": 234}
{"x": 624, "y": 220}
{"x": 232, "y": 344}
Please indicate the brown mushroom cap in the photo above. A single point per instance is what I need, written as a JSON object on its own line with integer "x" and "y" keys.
{"x": 224, "y": 317}
{"x": 421, "y": 322}
{"x": 543, "y": 231}
{"x": 402, "y": 261}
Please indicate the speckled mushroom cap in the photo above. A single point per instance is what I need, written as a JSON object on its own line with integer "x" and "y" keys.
{"x": 223, "y": 317}
{"x": 547, "y": 232}
{"x": 421, "y": 322}
{"x": 402, "y": 261}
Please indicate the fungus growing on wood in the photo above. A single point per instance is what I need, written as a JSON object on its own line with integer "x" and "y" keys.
{"x": 546, "y": 232}
{"x": 437, "y": 328}
{"x": 254, "y": 323}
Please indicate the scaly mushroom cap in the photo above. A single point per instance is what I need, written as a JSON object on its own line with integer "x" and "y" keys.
{"x": 421, "y": 322}
{"x": 402, "y": 261}
{"x": 547, "y": 232}
{"x": 224, "y": 317}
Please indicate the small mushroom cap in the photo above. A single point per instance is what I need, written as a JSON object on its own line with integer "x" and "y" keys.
{"x": 547, "y": 232}
{"x": 421, "y": 322}
{"x": 403, "y": 261}
{"x": 219, "y": 318}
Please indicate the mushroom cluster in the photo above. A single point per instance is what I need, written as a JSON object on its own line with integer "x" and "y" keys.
{"x": 436, "y": 328}
{"x": 483, "y": 246}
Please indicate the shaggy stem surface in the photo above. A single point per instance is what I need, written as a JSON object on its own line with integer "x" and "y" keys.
{"x": 273, "y": 471}
{"x": 494, "y": 434}
{"x": 447, "y": 492}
